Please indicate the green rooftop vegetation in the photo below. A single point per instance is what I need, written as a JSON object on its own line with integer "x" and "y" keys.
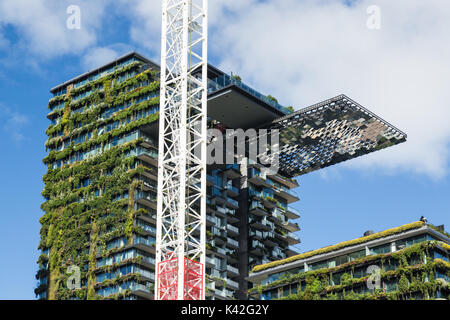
{"x": 411, "y": 270}
{"x": 382, "y": 234}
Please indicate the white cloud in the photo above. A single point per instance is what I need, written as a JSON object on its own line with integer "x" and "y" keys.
{"x": 303, "y": 52}
{"x": 96, "y": 57}
{"x": 42, "y": 29}
{"x": 145, "y": 19}
{"x": 12, "y": 123}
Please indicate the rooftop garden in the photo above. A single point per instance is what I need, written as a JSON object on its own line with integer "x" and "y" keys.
{"x": 382, "y": 234}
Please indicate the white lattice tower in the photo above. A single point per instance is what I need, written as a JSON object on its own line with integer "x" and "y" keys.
{"x": 181, "y": 209}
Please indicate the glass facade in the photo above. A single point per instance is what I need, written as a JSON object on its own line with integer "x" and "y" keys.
{"x": 349, "y": 273}
{"x": 124, "y": 254}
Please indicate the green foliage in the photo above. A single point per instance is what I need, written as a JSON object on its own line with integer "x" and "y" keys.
{"x": 272, "y": 98}
{"x": 74, "y": 231}
{"x": 411, "y": 278}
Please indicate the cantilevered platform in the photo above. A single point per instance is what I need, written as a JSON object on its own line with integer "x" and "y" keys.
{"x": 330, "y": 132}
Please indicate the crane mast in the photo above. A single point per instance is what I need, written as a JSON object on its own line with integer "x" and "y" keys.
{"x": 181, "y": 205}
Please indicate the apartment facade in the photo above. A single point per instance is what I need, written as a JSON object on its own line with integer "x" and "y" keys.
{"x": 101, "y": 189}
{"x": 407, "y": 262}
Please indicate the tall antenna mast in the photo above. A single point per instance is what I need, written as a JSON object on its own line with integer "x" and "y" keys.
{"x": 181, "y": 214}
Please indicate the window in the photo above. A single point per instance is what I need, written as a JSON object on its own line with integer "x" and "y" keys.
{"x": 438, "y": 254}
{"x": 337, "y": 261}
{"x": 359, "y": 272}
{"x": 403, "y": 243}
{"x": 390, "y": 265}
{"x": 336, "y": 278}
{"x": 385, "y": 248}
{"x": 356, "y": 255}
{"x": 286, "y": 290}
{"x": 318, "y": 265}
{"x": 294, "y": 288}
{"x": 390, "y": 285}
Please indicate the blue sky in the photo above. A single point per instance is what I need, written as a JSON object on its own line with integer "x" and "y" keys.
{"x": 301, "y": 52}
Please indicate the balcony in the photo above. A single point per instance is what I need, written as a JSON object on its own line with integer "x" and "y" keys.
{"x": 229, "y": 213}
{"x": 148, "y": 142}
{"x": 232, "y": 284}
{"x": 209, "y": 262}
{"x": 232, "y": 229}
{"x": 278, "y": 216}
{"x": 269, "y": 201}
{"x": 232, "y": 243}
{"x": 292, "y": 213}
{"x": 211, "y": 180}
{"x": 226, "y": 80}
{"x": 232, "y": 270}
{"x": 289, "y": 183}
{"x": 269, "y": 239}
{"x": 150, "y": 172}
{"x": 146, "y": 198}
{"x": 221, "y": 251}
{"x": 257, "y": 248}
{"x": 289, "y": 195}
{"x": 255, "y": 177}
{"x": 210, "y": 221}
{"x": 257, "y": 209}
{"x": 231, "y": 190}
{"x": 261, "y": 223}
{"x": 278, "y": 254}
{"x": 150, "y": 185}
{"x": 292, "y": 238}
{"x": 232, "y": 171}
{"x": 292, "y": 227}
{"x": 147, "y": 155}
{"x": 221, "y": 294}
{"x": 232, "y": 203}
{"x": 210, "y": 286}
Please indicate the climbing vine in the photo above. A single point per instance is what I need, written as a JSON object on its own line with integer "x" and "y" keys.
{"x": 91, "y": 202}
{"x": 411, "y": 277}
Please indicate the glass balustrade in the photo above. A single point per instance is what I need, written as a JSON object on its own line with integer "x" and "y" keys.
{"x": 226, "y": 80}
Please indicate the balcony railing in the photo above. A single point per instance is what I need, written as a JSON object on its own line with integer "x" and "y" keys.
{"x": 232, "y": 284}
{"x": 232, "y": 269}
{"x": 226, "y": 80}
{"x": 288, "y": 191}
{"x": 293, "y": 236}
{"x": 233, "y": 202}
{"x": 233, "y": 242}
{"x": 295, "y": 211}
{"x": 232, "y": 228}
{"x": 232, "y": 189}
{"x": 151, "y": 153}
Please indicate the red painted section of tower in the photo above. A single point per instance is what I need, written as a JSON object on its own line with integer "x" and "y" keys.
{"x": 193, "y": 280}
{"x": 167, "y": 280}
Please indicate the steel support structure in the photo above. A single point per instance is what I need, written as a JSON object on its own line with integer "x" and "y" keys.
{"x": 181, "y": 205}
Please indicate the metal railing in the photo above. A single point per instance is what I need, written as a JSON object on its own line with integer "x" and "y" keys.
{"x": 226, "y": 80}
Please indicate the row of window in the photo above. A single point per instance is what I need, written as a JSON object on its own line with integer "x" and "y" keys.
{"x": 84, "y": 155}
{"x": 103, "y": 73}
{"x": 110, "y": 111}
{"x": 336, "y": 261}
{"x": 123, "y": 271}
{"x": 293, "y": 288}
{"x": 128, "y": 285}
